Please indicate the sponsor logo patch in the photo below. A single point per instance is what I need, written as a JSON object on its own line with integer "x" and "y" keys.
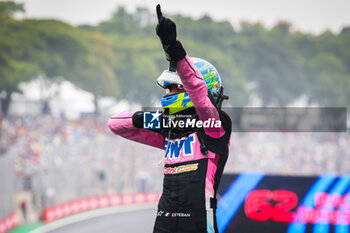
{"x": 167, "y": 214}
{"x": 160, "y": 213}
{"x": 173, "y": 148}
{"x": 181, "y": 169}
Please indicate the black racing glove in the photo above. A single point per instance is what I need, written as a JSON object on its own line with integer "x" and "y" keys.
{"x": 166, "y": 31}
{"x": 137, "y": 119}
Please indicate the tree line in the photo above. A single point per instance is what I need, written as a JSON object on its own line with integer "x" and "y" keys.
{"x": 122, "y": 57}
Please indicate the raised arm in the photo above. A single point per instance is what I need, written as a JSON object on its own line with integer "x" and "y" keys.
{"x": 122, "y": 125}
{"x": 197, "y": 90}
{"x": 191, "y": 78}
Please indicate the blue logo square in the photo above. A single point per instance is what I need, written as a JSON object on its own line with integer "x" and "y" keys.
{"x": 151, "y": 120}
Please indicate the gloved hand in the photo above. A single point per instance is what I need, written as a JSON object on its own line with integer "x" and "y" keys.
{"x": 137, "y": 119}
{"x": 166, "y": 31}
{"x": 166, "y": 28}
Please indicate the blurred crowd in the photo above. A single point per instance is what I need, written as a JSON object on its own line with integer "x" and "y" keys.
{"x": 290, "y": 153}
{"x": 58, "y": 159}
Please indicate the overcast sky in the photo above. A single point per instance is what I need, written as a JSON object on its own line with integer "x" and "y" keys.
{"x": 306, "y": 15}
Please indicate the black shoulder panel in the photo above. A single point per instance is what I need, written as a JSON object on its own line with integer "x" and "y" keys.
{"x": 218, "y": 145}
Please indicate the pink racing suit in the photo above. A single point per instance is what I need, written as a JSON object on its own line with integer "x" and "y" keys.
{"x": 191, "y": 175}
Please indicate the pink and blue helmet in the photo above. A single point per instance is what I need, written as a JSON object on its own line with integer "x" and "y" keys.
{"x": 178, "y": 102}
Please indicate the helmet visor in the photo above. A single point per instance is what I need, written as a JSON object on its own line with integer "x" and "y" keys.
{"x": 168, "y": 77}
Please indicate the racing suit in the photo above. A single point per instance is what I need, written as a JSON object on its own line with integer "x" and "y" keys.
{"x": 194, "y": 159}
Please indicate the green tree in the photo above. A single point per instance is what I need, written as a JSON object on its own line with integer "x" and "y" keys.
{"x": 96, "y": 74}
{"x": 8, "y": 8}
{"x": 329, "y": 81}
{"x": 15, "y": 67}
{"x": 60, "y": 48}
{"x": 123, "y": 57}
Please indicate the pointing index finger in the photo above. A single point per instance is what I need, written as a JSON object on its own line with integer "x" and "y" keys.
{"x": 159, "y": 13}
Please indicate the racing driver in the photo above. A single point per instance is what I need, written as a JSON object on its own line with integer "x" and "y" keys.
{"x": 194, "y": 157}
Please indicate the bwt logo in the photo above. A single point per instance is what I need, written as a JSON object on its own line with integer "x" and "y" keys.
{"x": 151, "y": 120}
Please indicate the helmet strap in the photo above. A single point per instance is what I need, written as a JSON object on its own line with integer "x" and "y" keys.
{"x": 166, "y": 112}
{"x": 221, "y": 98}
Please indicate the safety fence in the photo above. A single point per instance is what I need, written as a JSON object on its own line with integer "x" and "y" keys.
{"x": 96, "y": 202}
{"x": 8, "y": 223}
